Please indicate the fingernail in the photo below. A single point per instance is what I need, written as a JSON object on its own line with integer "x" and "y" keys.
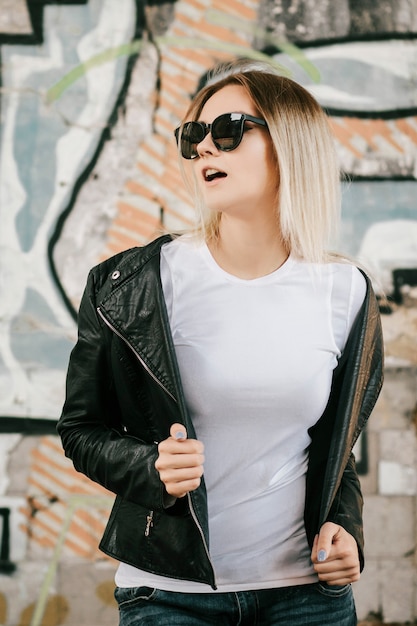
{"x": 180, "y": 435}
{"x": 322, "y": 555}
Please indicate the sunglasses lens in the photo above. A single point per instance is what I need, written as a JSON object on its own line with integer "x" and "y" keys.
{"x": 191, "y": 135}
{"x": 227, "y": 131}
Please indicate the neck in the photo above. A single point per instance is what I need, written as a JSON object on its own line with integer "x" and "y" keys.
{"x": 248, "y": 250}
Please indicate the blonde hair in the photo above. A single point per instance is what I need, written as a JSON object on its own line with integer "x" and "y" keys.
{"x": 308, "y": 174}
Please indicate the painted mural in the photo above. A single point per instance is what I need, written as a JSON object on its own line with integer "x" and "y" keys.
{"x": 56, "y": 123}
{"x": 91, "y": 91}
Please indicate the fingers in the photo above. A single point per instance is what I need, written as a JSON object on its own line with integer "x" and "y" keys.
{"x": 335, "y": 555}
{"x": 340, "y": 577}
{"x": 178, "y": 432}
{"x": 180, "y": 462}
{"x": 323, "y": 542}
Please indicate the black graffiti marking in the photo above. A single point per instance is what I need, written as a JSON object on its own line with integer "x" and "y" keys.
{"x": 35, "y": 10}
{"x": 402, "y": 277}
{"x": 6, "y": 566}
{"x": 24, "y": 426}
{"x": 36, "y": 506}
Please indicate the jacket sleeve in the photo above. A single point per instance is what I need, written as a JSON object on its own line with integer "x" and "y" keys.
{"x": 347, "y": 507}
{"x": 90, "y": 425}
{"x": 358, "y": 393}
{"x": 333, "y": 490}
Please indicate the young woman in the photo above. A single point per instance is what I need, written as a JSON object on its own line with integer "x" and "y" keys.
{"x": 222, "y": 377}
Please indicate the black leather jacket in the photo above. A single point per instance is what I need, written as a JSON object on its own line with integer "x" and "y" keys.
{"x": 124, "y": 392}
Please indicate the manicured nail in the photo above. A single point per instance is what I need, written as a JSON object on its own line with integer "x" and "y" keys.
{"x": 180, "y": 435}
{"x": 322, "y": 555}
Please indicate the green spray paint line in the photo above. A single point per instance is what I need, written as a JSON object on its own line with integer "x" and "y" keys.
{"x": 217, "y": 18}
{"x": 57, "y": 90}
{"x": 73, "y": 504}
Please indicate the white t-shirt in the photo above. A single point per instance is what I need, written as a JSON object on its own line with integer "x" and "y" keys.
{"x": 256, "y": 359}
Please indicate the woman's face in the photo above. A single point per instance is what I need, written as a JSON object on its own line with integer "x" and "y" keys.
{"x": 244, "y": 181}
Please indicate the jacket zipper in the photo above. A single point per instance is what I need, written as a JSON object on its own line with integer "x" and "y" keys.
{"x": 203, "y": 539}
{"x": 149, "y": 518}
{"x": 142, "y": 362}
{"x": 149, "y": 524}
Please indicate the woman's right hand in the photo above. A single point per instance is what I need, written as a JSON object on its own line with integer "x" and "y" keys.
{"x": 180, "y": 462}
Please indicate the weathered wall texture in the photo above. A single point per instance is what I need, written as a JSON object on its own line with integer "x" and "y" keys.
{"x": 91, "y": 91}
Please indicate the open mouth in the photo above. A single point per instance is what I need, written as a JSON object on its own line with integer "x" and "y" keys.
{"x": 212, "y": 174}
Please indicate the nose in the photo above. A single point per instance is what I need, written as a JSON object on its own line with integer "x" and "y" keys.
{"x": 207, "y": 146}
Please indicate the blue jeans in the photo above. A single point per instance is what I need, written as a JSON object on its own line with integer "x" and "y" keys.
{"x": 304, "y": 605}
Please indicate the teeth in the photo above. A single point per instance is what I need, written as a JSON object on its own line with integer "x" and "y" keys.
{"x": 211, "y": 172}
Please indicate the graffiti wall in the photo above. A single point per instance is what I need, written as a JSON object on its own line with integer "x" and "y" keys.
{"x": 91, "y": 91}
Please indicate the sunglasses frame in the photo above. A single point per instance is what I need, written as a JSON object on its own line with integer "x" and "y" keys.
{"x": 211, "y": 128}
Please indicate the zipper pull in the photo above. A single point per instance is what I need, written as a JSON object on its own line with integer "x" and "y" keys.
{"x": 149, "y": 523}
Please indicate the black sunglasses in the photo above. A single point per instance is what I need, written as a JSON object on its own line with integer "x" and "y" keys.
{"x": 226, "y": 132}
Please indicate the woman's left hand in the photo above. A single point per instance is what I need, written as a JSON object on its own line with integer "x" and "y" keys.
{"x": 335, "y": 555}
